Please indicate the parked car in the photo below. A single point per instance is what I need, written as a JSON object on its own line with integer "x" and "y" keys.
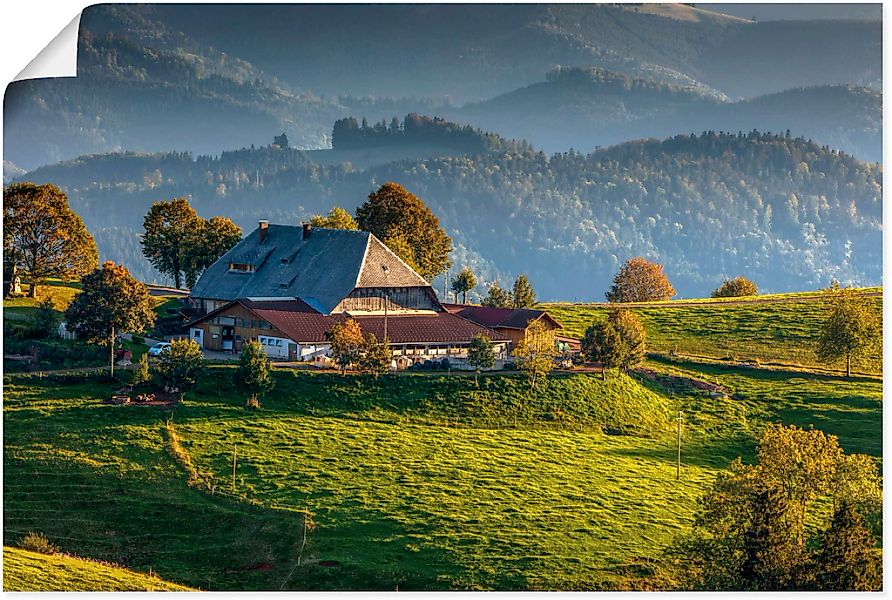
{"x": 159, "y": 348}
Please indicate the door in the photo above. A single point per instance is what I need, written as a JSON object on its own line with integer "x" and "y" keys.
{"x": 197, "y": 336}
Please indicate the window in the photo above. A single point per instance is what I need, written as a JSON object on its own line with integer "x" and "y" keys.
{"x": 278, "y": 343}
{"x": 241, "y": 267}
{"x": 196, "y": 333}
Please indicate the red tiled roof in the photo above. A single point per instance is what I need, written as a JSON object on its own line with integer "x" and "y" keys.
{"x": 439, "y": 328}
{"x": 508, "y": 318}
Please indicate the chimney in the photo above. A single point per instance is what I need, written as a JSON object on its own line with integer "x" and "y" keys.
{"x": 263, "y": 229}
{"x": 308, "y": 228}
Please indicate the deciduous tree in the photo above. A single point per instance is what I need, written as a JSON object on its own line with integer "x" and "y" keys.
{"x": 43, "y": 237}
{"x": 463, "y": 283}
{"x": 393, "y": 211}
{"x": 337, "y": 218}
{"x": 848, "y": 559}
{"x": 376, "y": 356}
{"x": 752, "y": 523}
{"x": 347, "y": 344}
{"x": 522, "y": 295}
{"x": 181, "y": 366}
{"x": 617, "y": 342}
{"x": 735, "y": 288}
{"x": 535, "y": 353}
{"x": 253, "y": 375}
{"x": 169, "y": 228}
{"x": 110, "y": 302}
{"x": 481, "y": 354}
{"x": 851, "y": 330}
{"x": 212, "y": 239}
{"x": 640, "y": 281}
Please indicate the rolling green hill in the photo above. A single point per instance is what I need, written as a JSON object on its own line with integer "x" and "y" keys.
{"x": 781, "y": 329}
{"x": 25, "y": 571}
{"x": 412, "y": 482}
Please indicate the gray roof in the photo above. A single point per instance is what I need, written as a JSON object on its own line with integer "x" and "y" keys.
{"x": 321, "y": 270}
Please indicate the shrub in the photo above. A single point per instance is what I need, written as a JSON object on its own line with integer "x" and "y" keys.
{"x": 141, "y": 374}
{"x": 37, "y": 542}
{"x": 735, "y": 288}
{"x": 138, "y": 339}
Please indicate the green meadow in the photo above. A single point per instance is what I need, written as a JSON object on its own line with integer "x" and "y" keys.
{"x": 31, "y": 572}
{"x": 411, "y": 482}
{"x": 780, "y": 329}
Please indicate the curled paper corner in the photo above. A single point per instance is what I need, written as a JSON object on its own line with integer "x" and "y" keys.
{"x": 58, "y": 58}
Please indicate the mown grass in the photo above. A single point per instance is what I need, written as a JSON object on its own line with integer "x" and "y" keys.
{"x": 25, "y": 571}
{"x": 771, "y": 332}
{"x": 413, "y": 482}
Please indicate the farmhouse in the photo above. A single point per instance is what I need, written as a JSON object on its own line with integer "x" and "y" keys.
{"x": 285, "y": 286}
{"x": 510, "y": 323}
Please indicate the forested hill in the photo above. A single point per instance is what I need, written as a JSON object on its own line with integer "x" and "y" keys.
{"x": 585, "y": 107}
{"x": 786, "y": 212}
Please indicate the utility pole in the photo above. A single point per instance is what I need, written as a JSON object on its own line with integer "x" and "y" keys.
{"x": 445, "y": 283}
{"x": 233, "y": 468}
{"x": 678, "y": 463}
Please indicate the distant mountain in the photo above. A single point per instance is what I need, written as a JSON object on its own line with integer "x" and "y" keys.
{"x": 799, "y": 12}
{"x": 203, "y": 77}
{"x": 584, "y": 108}
{"x": 475, "y": 51}
{"x": 781, "y": 210}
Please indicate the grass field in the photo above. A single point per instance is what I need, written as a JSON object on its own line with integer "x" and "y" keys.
{"x": 771, "y": 331}
{"x": 415, "y": 482}
{"x": 25, "y": 571}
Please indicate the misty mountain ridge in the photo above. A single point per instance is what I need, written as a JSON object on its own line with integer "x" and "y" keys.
{"x": 587, "y": 107}
{"x": 782, "y": 210}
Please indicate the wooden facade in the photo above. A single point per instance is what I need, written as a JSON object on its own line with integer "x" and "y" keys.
{"x": 397, "y": 299}
{"x": 229, "y": 330}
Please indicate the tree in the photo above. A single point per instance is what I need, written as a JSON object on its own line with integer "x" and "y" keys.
{"x": 281, "y": 140}
{"x": 754, "y": 517}
{"x": 848, "y": 560}
{"x": 393, "y": 211}
{"x": 400, "y": 246}
{"x": 496, "y": 297}
{"x": 181, "y": 366}
{"x": 169, "y": 231}
{"x": 463, "y": 283}
{"x": 618, "y": 342}
{"x": 110, "y": 302}
{"x": 212, "y": 239}
{"x": 180, "y": 244}
{"x": 523, "y": 295}
{"x": 142, "y": 373}
{"x": 481, "y": 354}
{"x": 735, "y": 288}
{"x": 43, "y": 237}
{"x": 347, "y": 344}
{"x": 46, "y": 318}
{"x": 640, "y": 281}
{"x": 337, "y": 218}
{"x": 376, "y": 357}
{"x": 851, "y": 328}
{"x": 535, "y": 353}
{"x": 253, "y": 375}
{"x": 633, "y": 335}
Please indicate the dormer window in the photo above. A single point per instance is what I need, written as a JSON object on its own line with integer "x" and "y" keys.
{"x": 241, "y": 268}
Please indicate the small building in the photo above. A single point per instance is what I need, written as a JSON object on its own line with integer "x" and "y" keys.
{"x": 511, "y": 323}
{"x": 285, "y": 286}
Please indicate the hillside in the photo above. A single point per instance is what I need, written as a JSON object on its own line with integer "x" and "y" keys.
{"x": 584, "y": 108}
{"x": 25, "y": 571}
{"x": 778, "y": 330}
{"x": 784, "y": 211}
{"x": 414, "y": 481}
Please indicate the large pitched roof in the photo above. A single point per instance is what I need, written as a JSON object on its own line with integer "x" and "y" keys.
{"x": 297, "y": 321}
{"x": 321, "y": 270}
{"x": 507, "y": 318}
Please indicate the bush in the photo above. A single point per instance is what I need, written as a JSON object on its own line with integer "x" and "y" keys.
{"x": 37, "y": 542}
{"x": 253, "y": 403}
{"x": 138, "y": 339}
{"x": 735, "y": 288}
